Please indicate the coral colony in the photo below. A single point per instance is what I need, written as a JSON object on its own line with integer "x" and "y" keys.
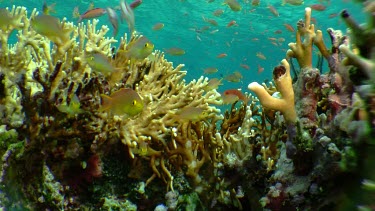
{"x": 162, "y": 143}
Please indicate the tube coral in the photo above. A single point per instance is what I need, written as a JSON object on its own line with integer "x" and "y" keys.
{"x": 283, "y": 82}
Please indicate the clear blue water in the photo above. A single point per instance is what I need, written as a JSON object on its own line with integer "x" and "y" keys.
{"x": 182, "y": 17}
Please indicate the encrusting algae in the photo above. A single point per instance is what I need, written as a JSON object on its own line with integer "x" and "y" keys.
{"x": 93, "y": 122}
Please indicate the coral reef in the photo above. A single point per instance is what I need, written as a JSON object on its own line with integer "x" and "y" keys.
{"x": 292, "y": 146}
{"x": 333, "y": 124}
{"x": 51, "y": 99}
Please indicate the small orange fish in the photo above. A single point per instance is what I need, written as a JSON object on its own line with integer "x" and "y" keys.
{"x": 135, "y": 3}
{"x": 273, "y": 10}
{"x": 237, "y": 93}
{"x": 229, "y": 99}
{"x": 222, "y": 55}
{"x": 93, "y": 13}
{"x": 232, "y": 23}
{"x": 245, "y": 66}
{"x": 289, "y": 27}
{"x": 278, "y": 32}
{"x": 260, "y": 69}
{"x": 318, "y": 7}
{"x": 332, "y": 15}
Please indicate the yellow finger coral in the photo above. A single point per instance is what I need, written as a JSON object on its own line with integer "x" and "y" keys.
{"x": 283, "y": 82}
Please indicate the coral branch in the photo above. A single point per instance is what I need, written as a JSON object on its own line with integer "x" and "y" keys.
{"x": 283, "y": 83}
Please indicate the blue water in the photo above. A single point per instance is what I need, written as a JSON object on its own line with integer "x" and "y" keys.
{"x": 182, "y": 17}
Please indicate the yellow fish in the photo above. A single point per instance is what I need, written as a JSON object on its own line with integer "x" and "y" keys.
{"x": 233, "y": 5}
{"x": 193, "y": 114}
{"x": 138, "y": 49}
{"x": 100, "y": 63}
{"x": 47, "y": 9}
{"x": 175, "y": 51}
{"x": 73, "y": 108}
{"x": 124, "y": 101}
{"x": 5, "y": 18}
{"x": 50, "y": 27}
{"x": 213, "y": 84}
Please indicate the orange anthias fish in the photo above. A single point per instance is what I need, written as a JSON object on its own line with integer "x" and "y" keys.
{"x": 93, "y": 13}
{"x": 289, "y": 27}
{"x": 237, "y": 93}
{"x": 122, "y": 102}
{"x": 222, "y": 55}
{"x": 273, "y": 10}
{"x": 318, "y": 7}
{"x": 232, "y": 23}
{"x": 135, "y": 3}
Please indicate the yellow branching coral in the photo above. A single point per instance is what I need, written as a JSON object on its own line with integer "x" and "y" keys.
{"x": 60, "y": 79}
{"x": 302, "y": 49}
{"x": 283, "y": 82}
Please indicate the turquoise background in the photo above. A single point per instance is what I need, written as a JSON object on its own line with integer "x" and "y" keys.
{"x": 182, "y": 17}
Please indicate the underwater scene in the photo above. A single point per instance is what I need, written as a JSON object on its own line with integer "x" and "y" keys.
{"x": 187, "y": 105}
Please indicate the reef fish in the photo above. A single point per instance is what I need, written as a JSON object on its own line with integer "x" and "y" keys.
{"x": 127, "y": 14}
{"x": 93, "y": 13}
{"x": 139, "y": 49}
{"x": 100, "y": 63}
{"x": 233, "y": 5}
{"x": 292, "y": 2}
{"x": 122, "y": 102}
{"x": 73, "y": 108}
{"x": 193, "y": 114}
{"x": 237, "y": 93}
{"x": 213, "y": 84}
{"x": 50, "y": 27}
{"x": 158, "y": 26}
{"x": 5, "y": 18}
{"x": 135, "y": 3}
{"x": 210, "y": 70}
{"x": 47, "y": 9}
{"x": 112, "y": 15}
{"x": 175, "y": 51}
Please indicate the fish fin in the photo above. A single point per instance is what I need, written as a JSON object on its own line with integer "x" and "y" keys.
{"x": 106, "y": 102}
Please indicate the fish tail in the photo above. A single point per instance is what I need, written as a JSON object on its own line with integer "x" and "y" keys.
{"x": 106, "y": 102}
